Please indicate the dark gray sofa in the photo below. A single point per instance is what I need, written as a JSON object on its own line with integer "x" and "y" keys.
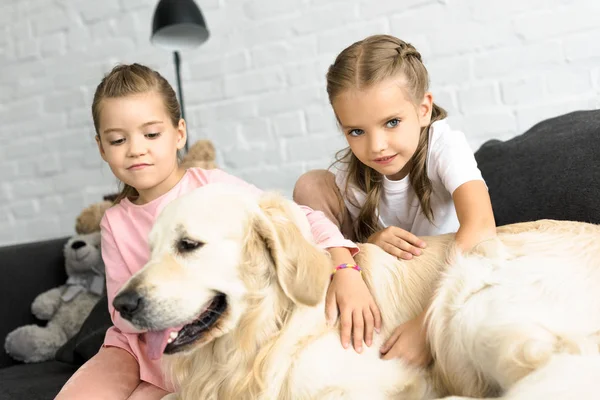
{"x": 28, "y": 270}
{"x": 550, "y": 171}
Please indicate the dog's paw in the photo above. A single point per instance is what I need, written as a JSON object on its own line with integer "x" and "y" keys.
{"x": 171, "y": 396}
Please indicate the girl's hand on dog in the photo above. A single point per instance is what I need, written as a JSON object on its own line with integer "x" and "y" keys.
{"x": 409, "y": 342}
{"x": 398, "y": 242}
{"x": 359, "y": 314}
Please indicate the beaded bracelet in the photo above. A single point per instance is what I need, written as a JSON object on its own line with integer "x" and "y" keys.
{"x": 345, "y": 266}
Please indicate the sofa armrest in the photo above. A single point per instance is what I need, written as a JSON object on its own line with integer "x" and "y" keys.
{"x": 550, "y": 171}
{"x": 27, "y": 270}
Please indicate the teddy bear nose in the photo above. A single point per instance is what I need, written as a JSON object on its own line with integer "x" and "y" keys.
{"x": 128, "y": 303}
{"x": 77, "y": 244}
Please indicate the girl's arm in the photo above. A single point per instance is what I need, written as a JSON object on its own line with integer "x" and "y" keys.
{"x": 358, "y": 312}
{"x": 475, "y": 214}
{"x": 477, "y": 223}
{"x": 117, "y": 275}
{"x": 327, "y": 235}
{"x": 454, "y": 163}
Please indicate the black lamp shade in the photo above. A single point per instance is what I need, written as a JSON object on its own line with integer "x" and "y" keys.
{"x": 178, "y": 25}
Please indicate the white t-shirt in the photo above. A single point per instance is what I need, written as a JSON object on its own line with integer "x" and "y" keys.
{"x": 450, "y": 163}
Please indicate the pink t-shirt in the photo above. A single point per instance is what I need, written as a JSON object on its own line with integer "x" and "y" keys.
{"x": 125, "y": 228}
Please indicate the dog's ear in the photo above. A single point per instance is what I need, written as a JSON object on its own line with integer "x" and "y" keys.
{"x": 302, "y": 269}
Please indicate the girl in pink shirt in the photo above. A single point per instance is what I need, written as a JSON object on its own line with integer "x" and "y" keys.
{"x": 139, "y": 133}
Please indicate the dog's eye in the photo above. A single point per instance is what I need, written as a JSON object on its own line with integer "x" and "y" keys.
{"x": 187, "y": 245}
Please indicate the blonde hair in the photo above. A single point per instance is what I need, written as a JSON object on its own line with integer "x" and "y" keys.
{"x": 127, "y": 79}
{"x": 364, "y": 64}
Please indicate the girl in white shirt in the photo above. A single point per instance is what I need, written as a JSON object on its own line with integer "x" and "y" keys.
{"x": 405, "y": 174}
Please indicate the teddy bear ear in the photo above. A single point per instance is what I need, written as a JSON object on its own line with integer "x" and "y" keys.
{"x": 201, "y": 154}
{"x": 81, "y": 226}
{"x": 88, "y": 220}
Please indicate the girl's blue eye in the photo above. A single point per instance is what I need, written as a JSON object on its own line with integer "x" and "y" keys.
{"x": 152, "y": 135}
{"x": 117, "y": 142}
{"x": 356, "y": 132}
{"x": 392, "y": 123}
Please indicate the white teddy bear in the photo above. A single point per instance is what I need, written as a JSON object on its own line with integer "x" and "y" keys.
{"x": 65, "y": 307}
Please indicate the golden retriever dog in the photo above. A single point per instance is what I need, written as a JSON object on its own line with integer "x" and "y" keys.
{"x": 233, "y": 295}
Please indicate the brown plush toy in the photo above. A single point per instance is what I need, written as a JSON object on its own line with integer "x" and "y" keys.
{"x": 89, "y": 219}
{"x": 200, "y": 155}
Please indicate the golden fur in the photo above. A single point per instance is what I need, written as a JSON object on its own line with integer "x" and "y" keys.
{"x": 525, "y": 302}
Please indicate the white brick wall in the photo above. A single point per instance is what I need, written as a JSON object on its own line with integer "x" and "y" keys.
{"x": 256, "y": 88}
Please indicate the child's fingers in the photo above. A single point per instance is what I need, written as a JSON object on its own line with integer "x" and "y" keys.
{"x": 409, "y": 237}
{"x": 369, "y": 325}
{"x": 391, "y": 353}
{"x": 346, "y": 324}
{"x": 358, "y": 329}
{"x": 397, "y": 348}
{"x": 405, "y": 246}
{"x": 395, "y": 251}
{"x": 390, "y": 342}
{"x": 376, "y": 317}
{"x": 409, "y": 248}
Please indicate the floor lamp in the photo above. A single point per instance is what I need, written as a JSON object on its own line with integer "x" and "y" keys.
{"x": 178, "y": 25}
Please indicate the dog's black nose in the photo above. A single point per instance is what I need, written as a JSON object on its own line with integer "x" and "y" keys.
{"x": 77, "y": 244}
{"x": 128, "y": 303}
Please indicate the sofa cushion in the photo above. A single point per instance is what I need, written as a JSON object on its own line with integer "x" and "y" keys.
{"x": 40, "y": 381}
{"x": 547, "y": 172}
{"x": 86, "y": 343}
{"x": 27, "y": 270}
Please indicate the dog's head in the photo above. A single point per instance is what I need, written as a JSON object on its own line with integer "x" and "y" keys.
{"x": 217, "y": 255}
